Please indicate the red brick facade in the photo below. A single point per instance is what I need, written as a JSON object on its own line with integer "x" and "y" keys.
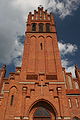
{"x": 40, "y": 88}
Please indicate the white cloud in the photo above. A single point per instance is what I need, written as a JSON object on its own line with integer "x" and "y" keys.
{"x": 67, "y": 48}
{"x": 17, "y": 53}
{"x": 65, "y": 63}
{"x": 29, "y": 5}
{"x": 64, "y": 7}
{"x": 11, "y": 24}
{"x": 12, "y": 55}
{"x": 68, "y": 67}
{"x": 72, "y": 70}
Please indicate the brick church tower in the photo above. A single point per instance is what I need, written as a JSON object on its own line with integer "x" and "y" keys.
{"x": 40, "y": 89}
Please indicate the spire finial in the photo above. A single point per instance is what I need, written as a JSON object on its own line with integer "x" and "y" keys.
{"x": 40, "y": 6}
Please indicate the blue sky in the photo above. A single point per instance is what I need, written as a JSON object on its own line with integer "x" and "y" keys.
{"x": 13, "y": 15}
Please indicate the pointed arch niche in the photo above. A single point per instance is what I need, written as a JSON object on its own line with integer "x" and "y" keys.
{"x": 12, "y": 100}
{"x": 50, "y": 55}
{"x": 42, "y": 110}
{"x": 13, "y": 95}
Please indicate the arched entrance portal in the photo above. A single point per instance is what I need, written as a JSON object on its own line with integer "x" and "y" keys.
{"x": 42, "y": 111}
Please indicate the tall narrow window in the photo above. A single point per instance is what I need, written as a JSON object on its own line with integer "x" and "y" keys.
{"x": 77, "y": 104}
{"x": 40, "y": 15}
{"x": 70, "y": 82}
{"x": 41, "y": 46}
{"x": 44, "y": 16}
{"x": 36, "y": 16}
{"x": 47, "y": 27}
{"x": 69, "y": 101}
{"x": 41, "y": 27}
{"x": 12, "y": 99}
{"x": 0, "y": 102}
{"x": 33, "y": 26}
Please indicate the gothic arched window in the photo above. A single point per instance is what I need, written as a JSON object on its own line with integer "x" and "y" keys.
{"x": 33, "y": 27}
{"x": 42, "y": 113}
{"x": 41, "y": 27}
{"x": 47, "y": 27}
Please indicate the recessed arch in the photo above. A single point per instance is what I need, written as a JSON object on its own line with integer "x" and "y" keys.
{"x": 12, "y": 87}
{"x": 33, "y": 36}
{"x": 42, "y": 104}
{"x": 32, "y": 51}
{"x": 49, "y": 37}
{"x": 41, "y": 36}
{"x": 13, "y": 95}
{"x": 13, "y": 90}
